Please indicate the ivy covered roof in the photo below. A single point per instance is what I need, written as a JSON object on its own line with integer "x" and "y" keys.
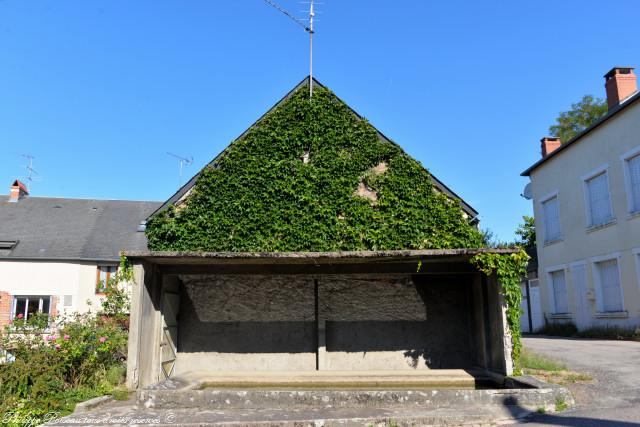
{"x": 312, "y": 175}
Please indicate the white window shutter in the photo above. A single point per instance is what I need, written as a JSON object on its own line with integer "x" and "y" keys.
{"x": 610, "y": 284}
{"x": 598, "y": 287}
{"x": 599, "y": 202}
{"x": 551, "y": 213}
{"x": 634, "y": 181}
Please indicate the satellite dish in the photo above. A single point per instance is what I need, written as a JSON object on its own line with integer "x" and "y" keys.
{"x": 527, "y": 193}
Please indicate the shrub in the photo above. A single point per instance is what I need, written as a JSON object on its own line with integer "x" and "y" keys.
{"x": 558, "y": 329}
{"x": 611, "y": 333}
{"x": 48, "y": 372}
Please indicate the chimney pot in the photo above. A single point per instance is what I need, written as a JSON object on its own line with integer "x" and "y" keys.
{"x": 620, "y": 83}
{"x": 17, "y": 191}
{"x": 549, "y": 144}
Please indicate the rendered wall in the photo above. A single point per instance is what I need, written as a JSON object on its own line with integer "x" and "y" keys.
{"x": 42, "y": 278}
{"x": 240, "y": 322}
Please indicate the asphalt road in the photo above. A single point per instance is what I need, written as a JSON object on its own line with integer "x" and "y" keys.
{"x": 613, "y": 399}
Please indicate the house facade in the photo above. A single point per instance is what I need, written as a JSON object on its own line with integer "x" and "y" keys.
{"x": 586, "y": 200}
{"x": 56, "y": 254}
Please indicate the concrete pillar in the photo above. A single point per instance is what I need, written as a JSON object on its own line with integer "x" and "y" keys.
{"x": 499, "y": 336}
{"x": 143, "y": 361}
{"x": 321, "y": 331}
{"x": 478, "y": 333}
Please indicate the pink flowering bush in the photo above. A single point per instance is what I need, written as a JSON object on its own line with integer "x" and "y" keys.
{"x": 49, "y": 372}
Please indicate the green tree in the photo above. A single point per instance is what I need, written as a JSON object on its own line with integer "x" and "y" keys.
{"x": 582, "y": 115}
{"x": 526, "y": 232}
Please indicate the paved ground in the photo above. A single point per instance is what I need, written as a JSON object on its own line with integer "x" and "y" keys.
{"x": 613, "y": 400}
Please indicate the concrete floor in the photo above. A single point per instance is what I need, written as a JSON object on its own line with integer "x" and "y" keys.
{"x": 613, "y": 400}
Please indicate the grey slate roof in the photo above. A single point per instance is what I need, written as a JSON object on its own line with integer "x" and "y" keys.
{"x": 71, "y": 229}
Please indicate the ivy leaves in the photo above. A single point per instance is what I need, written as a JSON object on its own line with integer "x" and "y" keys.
{"x": 290, "y": 184}
{"x": 510, "y": 269}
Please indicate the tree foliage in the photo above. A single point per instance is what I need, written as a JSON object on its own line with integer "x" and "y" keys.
{"x": 290, "y": 184}
{"x": 582, "y": 115}
{"x": 526, "y": 232}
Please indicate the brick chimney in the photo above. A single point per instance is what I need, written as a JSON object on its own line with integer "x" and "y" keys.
{"x": 620, "y": 83}
{"x": 17, "y": 191}
{"x": 549, "y": 144}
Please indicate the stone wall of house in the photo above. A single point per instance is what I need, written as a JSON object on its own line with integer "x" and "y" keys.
{"x": 242, "y": 322}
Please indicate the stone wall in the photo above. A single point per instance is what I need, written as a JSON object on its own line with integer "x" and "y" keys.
{"x": 241, "y": 322}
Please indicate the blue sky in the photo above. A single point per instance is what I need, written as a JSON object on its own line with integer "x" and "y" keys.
{"x": 98, "y": 91}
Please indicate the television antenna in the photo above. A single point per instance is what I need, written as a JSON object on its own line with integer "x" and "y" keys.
{"x": 307, "y": 28}
{"x": 32, "y": 174}
{"x": 183, "y": 161}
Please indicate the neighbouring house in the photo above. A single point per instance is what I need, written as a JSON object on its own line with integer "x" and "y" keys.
{"x": 57, "y": 254}
{"x": 313, "y": 243}
{"x": 586, "y": 200}
{"x": 532, "y": 318}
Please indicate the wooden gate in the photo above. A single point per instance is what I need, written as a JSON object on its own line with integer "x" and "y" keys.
{"x": 169, "y": 343}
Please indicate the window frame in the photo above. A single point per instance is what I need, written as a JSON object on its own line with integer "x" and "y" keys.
{"x": 552, "y": 291}
{"x": 546, "y": 198}
{"x": 625, "y": 158}
{"x": 102, "y": 290}
{"x": 600, "y": 170}
{"x": 14, "y": 304}
{"x": 597, "y": 282}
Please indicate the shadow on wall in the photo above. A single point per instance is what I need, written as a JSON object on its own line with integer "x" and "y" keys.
{"x": 424, "y": 319}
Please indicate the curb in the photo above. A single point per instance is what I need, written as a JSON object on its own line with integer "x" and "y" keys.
{"x": 90, "y": 404}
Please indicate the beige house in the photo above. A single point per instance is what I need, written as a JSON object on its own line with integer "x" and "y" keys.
{"x": 586, "y": 198}
{"x": 56, "y": 254}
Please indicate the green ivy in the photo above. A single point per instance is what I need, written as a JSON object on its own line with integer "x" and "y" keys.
{"x": 262, "y": 196}
{"x": 509, "y": 269}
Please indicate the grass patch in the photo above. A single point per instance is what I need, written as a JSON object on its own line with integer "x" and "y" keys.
{"x": 611, "y": 333}
{"x": 550, "y": 370}
{"x": 530, "y": 360}
{"x": 561, "y": 405}
{"x": 120, "y": 393}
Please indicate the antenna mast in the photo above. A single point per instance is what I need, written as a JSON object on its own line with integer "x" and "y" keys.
{"x": 311, "y": 15}
{"x": 183, "y": 161}
{"x": 31, "y": 172}
{"x": 308, "y": 29}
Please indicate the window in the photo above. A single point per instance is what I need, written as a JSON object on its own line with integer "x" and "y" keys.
{"x": 558, "y": 291}
{"x": 598, "y": 201}
{"x": 551, "y": 219}
{"x": 103, "y": 275}
{"x": 26, "y": 306}
{"x": 608, "y": 291}
{"x": 632, "y": 170}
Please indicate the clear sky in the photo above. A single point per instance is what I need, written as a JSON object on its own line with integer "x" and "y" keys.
{"x": 98, "y": 91}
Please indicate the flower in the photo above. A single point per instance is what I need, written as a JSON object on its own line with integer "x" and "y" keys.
{"x": 66, "y": 337}
{"x": 20, "y": 316}
{"x": 102, "y": 339}
{"x": 57, "y": 346}
{"x": 51, "y": 338}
